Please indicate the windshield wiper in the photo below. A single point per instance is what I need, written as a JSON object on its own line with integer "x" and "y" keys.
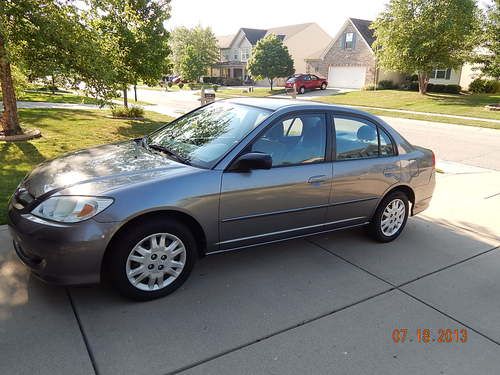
{"x": 169, "y": 152}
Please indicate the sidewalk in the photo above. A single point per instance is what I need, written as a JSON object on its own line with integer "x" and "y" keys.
{"x": 321, "y": 305}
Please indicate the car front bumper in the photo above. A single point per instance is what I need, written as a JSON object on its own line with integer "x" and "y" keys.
{"x": 64, "y": 254}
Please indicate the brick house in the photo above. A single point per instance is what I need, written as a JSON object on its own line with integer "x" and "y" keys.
{"x": 349, "y": 61}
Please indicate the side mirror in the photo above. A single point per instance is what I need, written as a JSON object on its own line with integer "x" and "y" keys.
{"x": 252, "y": 160}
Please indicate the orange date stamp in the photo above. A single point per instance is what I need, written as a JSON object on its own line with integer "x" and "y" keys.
{"x": 429, "y": 336}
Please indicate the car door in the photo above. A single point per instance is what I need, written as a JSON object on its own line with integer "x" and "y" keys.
{"x": 289, "y": 199}
{"x": 315, "y": 82}
{"x": 365, "y": 166}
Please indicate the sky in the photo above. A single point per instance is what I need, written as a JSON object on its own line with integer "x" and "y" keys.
{"x": 225, "y": 17}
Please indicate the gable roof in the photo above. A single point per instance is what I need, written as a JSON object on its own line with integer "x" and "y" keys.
{"x": 363, "y": 26}
{"x": 254, "y": 35}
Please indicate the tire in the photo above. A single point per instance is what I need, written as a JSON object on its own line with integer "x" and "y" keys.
{"x": 302, "y": 90}
{"x": 157, "y": 262}
{"x": 323, "y": 86}
{"x": 387, "y": 226}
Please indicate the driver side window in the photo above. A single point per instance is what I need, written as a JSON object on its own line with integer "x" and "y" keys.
{"x": 294, "y": 140}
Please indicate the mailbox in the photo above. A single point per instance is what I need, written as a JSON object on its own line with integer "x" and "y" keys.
{"x": 207, "y": 96}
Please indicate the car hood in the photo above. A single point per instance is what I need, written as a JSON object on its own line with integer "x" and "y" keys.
{"x": 100, "y": 169}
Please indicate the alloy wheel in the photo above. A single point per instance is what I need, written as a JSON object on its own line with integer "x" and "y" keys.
{"x": 393, "y": 217}
{"x": 156, "y": 261}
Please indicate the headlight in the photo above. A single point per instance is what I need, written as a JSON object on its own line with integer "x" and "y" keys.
{"x": 71, "y": 208}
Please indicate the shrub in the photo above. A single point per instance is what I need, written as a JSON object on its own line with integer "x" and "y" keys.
{"x": 386, "y": 85}
{"x": 369, "y": 87}
{"x": 452, "y": 89}
{"x": 213, "y": 80}
{"x": 124, "y": 112}
{"x": 181, "y": 85}
{"x": 489, "y": 86}
{"x": 232, "y": 82}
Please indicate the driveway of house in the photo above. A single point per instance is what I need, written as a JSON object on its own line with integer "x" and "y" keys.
{"x": 325, "y": 304}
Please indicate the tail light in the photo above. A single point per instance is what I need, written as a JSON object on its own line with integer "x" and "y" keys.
{"x": 433, "y": 159}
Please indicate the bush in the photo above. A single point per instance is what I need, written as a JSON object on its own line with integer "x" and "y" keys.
{"x": 181, "y": 85}
{"x": 479, "y": 85}
{"x": 369, "y": 87}
{"x": 124, "y": 112}
{"x": 213, "y": 80}
{"x": 386, "y": 85}
{"x": 432, "y": 87}
{"x": 232, "y": 82}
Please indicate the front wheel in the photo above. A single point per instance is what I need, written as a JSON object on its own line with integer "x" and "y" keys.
{"x": 323, "y": 86}
{"x": 151, "y": 260}
{"x": 302, "y": 90}
{"x": 390, "y": 218}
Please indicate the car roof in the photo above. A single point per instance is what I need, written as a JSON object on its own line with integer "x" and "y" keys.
{"x": 275, "y": 104}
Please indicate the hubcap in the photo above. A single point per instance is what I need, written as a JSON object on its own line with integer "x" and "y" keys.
{"x": 156, "y": 261}
{"x": 393, "y": 217}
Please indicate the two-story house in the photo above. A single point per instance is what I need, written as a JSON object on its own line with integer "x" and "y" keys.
{"x": 349, "y": 61}
{"x": 235, "y": 50}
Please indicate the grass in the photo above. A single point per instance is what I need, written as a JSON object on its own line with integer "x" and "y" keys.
{"x": 57, "y": 97}
{"x": 460, "y": 105}
{"x": 63, "y": 131}
{"x": 259, "y": 92}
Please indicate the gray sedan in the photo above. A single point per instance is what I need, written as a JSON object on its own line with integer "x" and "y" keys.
{"x": 226, "y": 176}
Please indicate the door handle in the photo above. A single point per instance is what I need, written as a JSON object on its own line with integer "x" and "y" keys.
{"x": 317, "y": 179}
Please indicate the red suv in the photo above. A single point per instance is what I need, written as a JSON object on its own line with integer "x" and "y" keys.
{"x": 305, "y": 82}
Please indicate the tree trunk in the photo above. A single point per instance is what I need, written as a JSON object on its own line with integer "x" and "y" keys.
{"x": 53, "y": 87}
{"x": 271, "y": 83}
{"x": 9, "y": 120}
{"x": 423, "y": 81}
{"x": 125, "y": 98}
{"x": 135, "y": 93}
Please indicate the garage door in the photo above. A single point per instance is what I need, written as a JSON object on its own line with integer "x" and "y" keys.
{"x": 352, "y": 77}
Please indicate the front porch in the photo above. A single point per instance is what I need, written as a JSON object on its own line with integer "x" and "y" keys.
{"x": 230, "y": 69}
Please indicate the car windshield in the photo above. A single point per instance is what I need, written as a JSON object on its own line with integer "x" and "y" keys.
{"x": 201, "y": 137}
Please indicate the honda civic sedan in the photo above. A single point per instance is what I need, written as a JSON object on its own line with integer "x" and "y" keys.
{"x": 230, "y": 175}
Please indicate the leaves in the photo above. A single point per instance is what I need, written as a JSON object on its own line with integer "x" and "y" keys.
{"x": 420, "y": 35}
{"x": 270, "y": 59}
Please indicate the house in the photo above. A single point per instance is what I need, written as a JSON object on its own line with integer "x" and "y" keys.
{"x": 349, "y": 61}
{"x": 235, "y": 50}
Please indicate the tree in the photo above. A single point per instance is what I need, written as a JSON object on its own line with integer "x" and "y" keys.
{"x": 490, "y": 57}
{"x": 203, "y": 53}
{"x": 270, "y": 59}
{"x": 134, "y": 38}
{"x": 50, "y": 33}
{"x": 417, "y": 36}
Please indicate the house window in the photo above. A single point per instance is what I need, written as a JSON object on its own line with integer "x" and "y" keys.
{"x": 245, "y": 54}
{"x": 349, "y": 41}
{"x": 235, "y": 57}
{"x": 441, "y": 73}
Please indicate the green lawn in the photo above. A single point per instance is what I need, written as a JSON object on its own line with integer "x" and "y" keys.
{"x": 471, "y": 105}
{"x": 57, "y": 97}
{"x": 259, "y": 92}
{"x": 63, "y": 131}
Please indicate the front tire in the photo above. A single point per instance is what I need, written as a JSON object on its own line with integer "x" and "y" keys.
{"x": 302, "y": 90}
{"x": 390, "y": 217}
{"x": 151, "y": 260}
{"x": 323, "y": 86}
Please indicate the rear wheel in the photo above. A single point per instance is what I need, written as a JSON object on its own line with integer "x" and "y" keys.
{"x": 302, "y": 90}
{"x": 390, "y": 218}
{"x": 323, "y": 86}
{"x": 152, "y": 260}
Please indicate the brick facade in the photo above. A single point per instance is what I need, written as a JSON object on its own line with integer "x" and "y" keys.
{"x": 360, "y": 55}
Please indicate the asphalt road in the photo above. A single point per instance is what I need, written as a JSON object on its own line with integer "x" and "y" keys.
{"x": 468, "y": 145}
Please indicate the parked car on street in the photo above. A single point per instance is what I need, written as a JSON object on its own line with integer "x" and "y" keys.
{"x": 230, "y": 175}
{"x": 304, "y": 82}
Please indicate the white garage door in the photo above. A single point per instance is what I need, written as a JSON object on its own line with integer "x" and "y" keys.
{"x": 352, "y": 77}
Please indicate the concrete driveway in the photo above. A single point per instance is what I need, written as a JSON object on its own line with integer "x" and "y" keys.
{"x": 322, "y": 305}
